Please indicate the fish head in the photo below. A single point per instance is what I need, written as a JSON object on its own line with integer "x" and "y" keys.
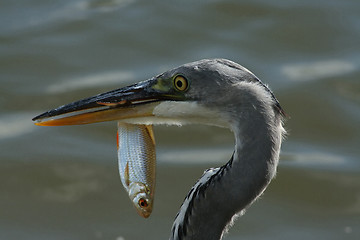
{"x": 142, "y": 198}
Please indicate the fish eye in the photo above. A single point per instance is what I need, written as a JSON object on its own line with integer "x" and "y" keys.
{"x": 142, "y": 203}
{"x": 180, "y": 83}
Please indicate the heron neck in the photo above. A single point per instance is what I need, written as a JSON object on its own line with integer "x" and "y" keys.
{"x": 222, "y": 193}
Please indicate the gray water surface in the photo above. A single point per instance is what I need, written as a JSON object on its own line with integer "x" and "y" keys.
{"x": 63, "y": 183}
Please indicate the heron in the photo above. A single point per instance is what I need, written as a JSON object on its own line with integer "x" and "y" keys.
{"x": 216, "y": 92}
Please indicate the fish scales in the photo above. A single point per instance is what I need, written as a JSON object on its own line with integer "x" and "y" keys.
{"x": 137, "y": 163}
{"x": 136, "y": 149}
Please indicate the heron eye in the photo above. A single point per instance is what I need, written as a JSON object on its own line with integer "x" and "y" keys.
{"x": 142, "y": 203}
{"x": 180, "y": 83}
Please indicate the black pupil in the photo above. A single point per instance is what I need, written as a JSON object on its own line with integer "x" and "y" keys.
{"x": 179, "y": 83}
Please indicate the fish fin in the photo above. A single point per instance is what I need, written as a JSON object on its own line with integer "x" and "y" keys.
{"x": 149, "y": 129}
{"x": 117, "y": 140}
{"x": 126, "y": 177}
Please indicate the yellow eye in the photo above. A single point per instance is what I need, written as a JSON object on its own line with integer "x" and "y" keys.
{"x": 180, "y": 83}
{"x": 142, "y": 203}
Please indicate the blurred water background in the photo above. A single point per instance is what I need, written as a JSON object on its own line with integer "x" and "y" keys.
{"x": 63, "y": 183}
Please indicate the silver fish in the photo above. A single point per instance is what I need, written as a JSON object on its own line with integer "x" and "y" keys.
{"x": 137, "y": 162}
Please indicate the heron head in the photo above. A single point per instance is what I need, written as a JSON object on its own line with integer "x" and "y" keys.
{"x": 196, "y": 92}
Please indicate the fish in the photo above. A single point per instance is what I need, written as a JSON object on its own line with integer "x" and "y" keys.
{"x": 137, "y": 164}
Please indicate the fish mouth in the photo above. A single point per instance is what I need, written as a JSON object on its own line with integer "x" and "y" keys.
{"x": 131, "y": 102}
{"x": 142, "y": 198}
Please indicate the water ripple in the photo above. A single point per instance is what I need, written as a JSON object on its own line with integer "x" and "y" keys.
{"x": 16, "y": 124}
{"x": 317, "y": 70}
{"x": 94, "y": 80}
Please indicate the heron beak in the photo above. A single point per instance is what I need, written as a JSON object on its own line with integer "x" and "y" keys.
{"x": 135, "y": 101}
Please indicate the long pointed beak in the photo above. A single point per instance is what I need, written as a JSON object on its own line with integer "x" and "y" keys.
{"x": 134, "y": 101}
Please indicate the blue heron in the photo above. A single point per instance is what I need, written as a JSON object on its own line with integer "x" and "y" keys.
{"x": 213, "y": 92}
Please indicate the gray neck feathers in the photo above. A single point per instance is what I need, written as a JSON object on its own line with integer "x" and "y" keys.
{"x": 223, "y": 193}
